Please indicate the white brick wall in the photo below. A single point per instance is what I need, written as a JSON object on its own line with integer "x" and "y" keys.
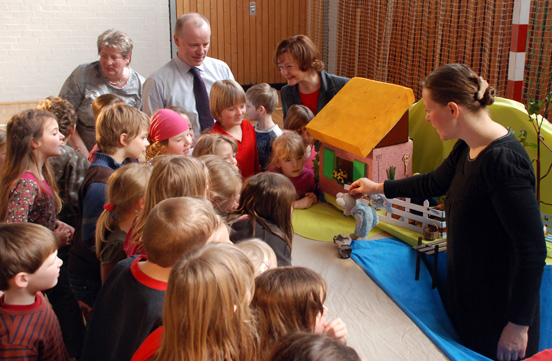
{"x": 42, "y": 41}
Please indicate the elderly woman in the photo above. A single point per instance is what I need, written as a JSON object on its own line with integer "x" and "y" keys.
{"x": 308, "y": 83}
{"x": 111, "y": 74}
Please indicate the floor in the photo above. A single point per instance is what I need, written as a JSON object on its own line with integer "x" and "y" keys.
{"x": 378, "y": 328}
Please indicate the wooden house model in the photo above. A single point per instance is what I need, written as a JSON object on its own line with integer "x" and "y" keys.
{"x": 363, "y": 132}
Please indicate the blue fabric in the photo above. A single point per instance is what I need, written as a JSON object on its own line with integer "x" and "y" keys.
{"x": 546, "y": 309}
{"x": 392, "y": 265}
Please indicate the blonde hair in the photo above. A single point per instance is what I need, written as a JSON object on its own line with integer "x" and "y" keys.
{"x": 177, "y": 226}
{"x": 287, "y": 299}
{"x": 206, "y": 315}
{"x": 225, "y": 183}
{"x": 208, "y": 143}
{"x": 224, "y": 94}
{"x": 172, "y": 176}
{"x": 297, "y": 116}
{"x": 21, "y": 130}
{"x": 116, "y": 120}
{"x": 125, "y": 187}
{"x": 103, "y": 101}
{"x": 263, "y": 94}
{"x": 287, "y": 146}
{"x": 260, "y": 254}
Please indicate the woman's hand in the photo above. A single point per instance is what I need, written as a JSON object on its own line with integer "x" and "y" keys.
{"x": 512, "y": 343}
{"x": 337, "y": 329}
{"x": 64, "y": 233}
{"x": 365, "y": 186}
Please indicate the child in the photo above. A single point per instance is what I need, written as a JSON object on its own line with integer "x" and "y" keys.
{"x": 207, "y": 314}
{"x": 224, "y": 186}
{"x": 121, "y": 136}
{"x": 227, "y": 102}
{"x": 296, "y": 120}
{"x": 70, "y": 166}
{"x": 28, "y": 191}
{"x": 262, "y": 100}
{"x": 288, "y": 158}
{"x": 169, "y": 134}
{"x": 130, "y": 304}
{"x": 104, "y": 101}
{"x": 308, "y": 346}
{"x": 292, "y": 299}
{"x": 172, "y": 176}
{"x": 2, "y": 149}
{"x": 259, "y": 253}
{"x": 126, "y": 188}
{"x": 29, "y": 328}
{"x": 220, "y": 145}
{"x": 264, "y": 212}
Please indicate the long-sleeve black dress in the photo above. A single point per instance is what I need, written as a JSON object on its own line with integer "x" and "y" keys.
{"x": 496, "y": 247}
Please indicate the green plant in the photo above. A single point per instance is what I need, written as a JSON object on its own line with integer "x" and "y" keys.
{"x": 391, "y": 172}
{"x": 535, "y": 109}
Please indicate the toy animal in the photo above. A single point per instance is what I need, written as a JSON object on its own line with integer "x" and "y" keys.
{"x": 365, "y": 216}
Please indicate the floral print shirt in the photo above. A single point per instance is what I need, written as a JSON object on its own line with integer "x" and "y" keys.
{"x": 28, "y": 202}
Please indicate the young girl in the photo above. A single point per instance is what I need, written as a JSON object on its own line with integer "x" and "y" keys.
{"x": 259, "y": 253}
{"x": 169, "y": 134}
{"x": 292, "y": 299}
{"x": 264, "y": 212}
{"x": 288, "y": 152}
{"x": 28, "y": 190}
{"x": 224, "y": 186}
{"x": 172, "y": 176}
{"x": 220, "y": 145}
{"x": 206, "y": 315}
{"x": 227, "y": 102}
{"x": 296, "y": 120}
{"x": 125, "y": 201}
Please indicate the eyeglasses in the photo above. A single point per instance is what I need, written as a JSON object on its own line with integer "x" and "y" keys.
{"x": 114, "y": 59}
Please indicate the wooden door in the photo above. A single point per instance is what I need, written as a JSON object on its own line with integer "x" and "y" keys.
{"x": 246, "y": 42}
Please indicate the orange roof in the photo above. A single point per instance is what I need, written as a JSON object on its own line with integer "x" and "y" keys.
{"x": 361, "y": 115}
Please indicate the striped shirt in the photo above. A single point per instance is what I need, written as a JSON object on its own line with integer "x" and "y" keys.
{"x": 30, "y": 332}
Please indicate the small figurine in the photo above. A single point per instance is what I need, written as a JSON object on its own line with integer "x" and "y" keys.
{"x": 365, "y": 216}
{"x": 343, "y": 243}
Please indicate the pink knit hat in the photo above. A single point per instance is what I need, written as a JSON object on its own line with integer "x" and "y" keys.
{"x": 167, "y": 123}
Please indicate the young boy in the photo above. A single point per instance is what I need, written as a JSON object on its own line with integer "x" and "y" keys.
{"x": 121, "y": 136}
{"x": 29, "y": 328}
{"x": 130, "y": 304}
{"x": 261, "y": 102}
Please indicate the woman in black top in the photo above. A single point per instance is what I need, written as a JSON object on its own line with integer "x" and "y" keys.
{"x": 496, "y": 248}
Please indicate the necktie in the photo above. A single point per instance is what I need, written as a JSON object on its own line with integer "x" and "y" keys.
{"x": 202, "y": 101}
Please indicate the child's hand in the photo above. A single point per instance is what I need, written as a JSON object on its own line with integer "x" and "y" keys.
{"x": 312, "y": 196}
{"x": 337, "y": 328}
{"x": 303, "y": 203}
{"x": 64, "y": 233}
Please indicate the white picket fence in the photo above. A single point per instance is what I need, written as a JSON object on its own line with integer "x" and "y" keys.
{"x": 428, "y": 215}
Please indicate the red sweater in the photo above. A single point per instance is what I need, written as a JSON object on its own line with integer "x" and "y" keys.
{"x": 247, "y": 157}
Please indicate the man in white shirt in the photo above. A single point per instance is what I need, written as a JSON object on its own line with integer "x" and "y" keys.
{"x": 173, "y": 84}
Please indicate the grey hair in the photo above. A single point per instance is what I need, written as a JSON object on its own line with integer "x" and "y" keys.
{"x": 195, "y": 18}
{"x": 117, "y": 40}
